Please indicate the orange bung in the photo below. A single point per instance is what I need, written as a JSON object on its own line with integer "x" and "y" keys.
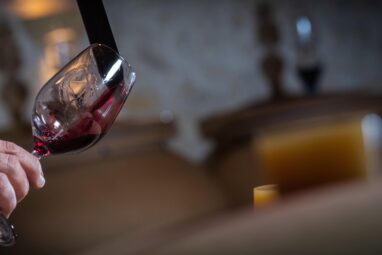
{"x": 265, "y": 195}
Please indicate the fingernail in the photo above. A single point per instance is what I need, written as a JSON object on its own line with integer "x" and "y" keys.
{"x": 41, "y": 180}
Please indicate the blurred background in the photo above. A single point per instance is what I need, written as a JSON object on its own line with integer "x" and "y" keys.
{"x": 230, "y": 95}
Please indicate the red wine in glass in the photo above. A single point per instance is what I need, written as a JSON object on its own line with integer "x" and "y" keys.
{"x": 84, "y": 132}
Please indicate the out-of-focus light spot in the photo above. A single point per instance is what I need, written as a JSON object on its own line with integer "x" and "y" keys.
{"x": 372, "y": 134}
{"x": 304, "y": 28}
{"x": 372, "y": 128}
{"x": 34, "y": 9}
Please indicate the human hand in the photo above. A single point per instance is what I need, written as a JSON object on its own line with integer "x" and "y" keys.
{"x": 19, "y": 170}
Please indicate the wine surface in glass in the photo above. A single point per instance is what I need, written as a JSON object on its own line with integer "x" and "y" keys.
{"x": 86, "y": 131}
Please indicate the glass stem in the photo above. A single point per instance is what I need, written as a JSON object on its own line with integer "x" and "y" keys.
{"x": 7, "y": 234}
{"x": 38, "y": 154}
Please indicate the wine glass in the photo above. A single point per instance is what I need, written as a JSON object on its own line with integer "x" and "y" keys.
{"x": 76, "y": 107}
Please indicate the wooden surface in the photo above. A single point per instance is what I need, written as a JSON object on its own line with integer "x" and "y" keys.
{"x": 237, "y": 174}
{"x": 340, "y": 220}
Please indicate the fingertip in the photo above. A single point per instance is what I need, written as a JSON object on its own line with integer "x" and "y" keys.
{"x": 41, "y": 180}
